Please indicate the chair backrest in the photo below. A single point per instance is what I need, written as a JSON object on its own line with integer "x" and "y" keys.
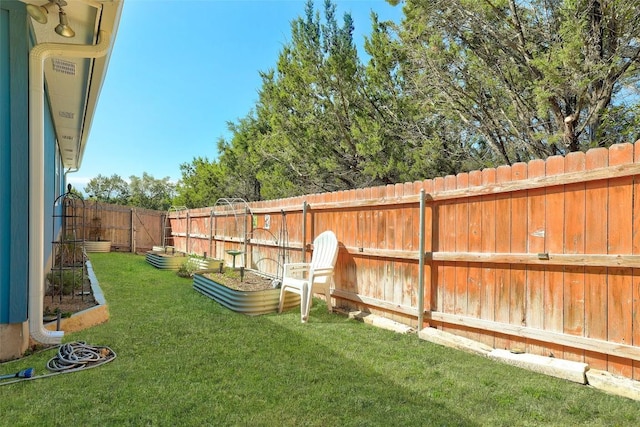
{"x": 325, "y": 253}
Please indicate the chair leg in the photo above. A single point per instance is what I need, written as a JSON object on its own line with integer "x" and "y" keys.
{"x": 304, "y": 303}
{"x": 281, "y": 300}
{"x": 327, "y": 295}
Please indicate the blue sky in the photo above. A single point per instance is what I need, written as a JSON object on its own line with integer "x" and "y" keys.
{"x": 180, "y": 70}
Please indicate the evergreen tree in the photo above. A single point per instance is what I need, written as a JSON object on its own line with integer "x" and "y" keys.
{"x": 530, "y": 79}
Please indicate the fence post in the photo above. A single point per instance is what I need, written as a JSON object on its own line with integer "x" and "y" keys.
{"x": 188, "y": 243}
{"x": 245, "y": 255}
{"x": 132, "y": 246}
{"x": 421, "y": 264}
{"x": 211, "y": 233}
{"x": 304, "y": 229}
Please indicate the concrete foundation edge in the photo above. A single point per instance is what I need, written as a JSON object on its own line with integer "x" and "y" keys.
{"x": 14, "y": 340}
{"x": 559, "y": 368}
{"x": 613, "y": 384}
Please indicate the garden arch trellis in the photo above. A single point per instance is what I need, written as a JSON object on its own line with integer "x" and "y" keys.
{"x": 167, "y": 233}
{"x": 68, "y": 272}
{"x": 230, "y": 226}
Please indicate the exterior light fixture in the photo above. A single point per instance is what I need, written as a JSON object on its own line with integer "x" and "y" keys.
{"x": 39, "y": 14}
{"x": 63, "y": 27}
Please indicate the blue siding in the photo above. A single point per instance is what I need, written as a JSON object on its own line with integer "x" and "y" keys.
{"x": 14, "y": 174}
{"x": 5, "y": 161}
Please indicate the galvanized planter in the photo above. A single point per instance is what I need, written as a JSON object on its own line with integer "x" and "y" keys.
{"x": 166, "y": 261}
{"x": 97, "y": 246}
{"x": 247, "y": 302}
{"x": 172, "y": 261}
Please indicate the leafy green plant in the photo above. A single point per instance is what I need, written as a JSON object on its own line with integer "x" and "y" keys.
{"x": 187, "y": 269}
{"x": 69, "y": 252}
{"x": 64, "y": 281}
{"x": 54, "y": 312}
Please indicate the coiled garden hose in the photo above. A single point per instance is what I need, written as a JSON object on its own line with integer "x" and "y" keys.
{"x": 78, "y": 355}
{"x": 72, "y": 357}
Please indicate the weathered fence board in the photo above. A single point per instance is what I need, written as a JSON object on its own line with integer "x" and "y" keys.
{"x": 487, "y": 232}
{"x": 536, "y": 220}
{"x": 635, "y": 315}
{"x": 574, "y": 225}
{"x": 503, "y": 244}
{"x": 620, "y": 213}
{"x": 554, "y": 236}
{"x": 519, "y": 209}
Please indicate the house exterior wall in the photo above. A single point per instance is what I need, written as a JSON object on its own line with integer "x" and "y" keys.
{"x": 54, "y": 186}
{"x": 14, "y": 179}
{"x": 5, "y": 154}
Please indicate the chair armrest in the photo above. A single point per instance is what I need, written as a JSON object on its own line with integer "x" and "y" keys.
{"x": 320, "y": 272}
{"x": 295, "y": 267}
{"x": 323, "y": 271}
{"x": 297, "y": 264}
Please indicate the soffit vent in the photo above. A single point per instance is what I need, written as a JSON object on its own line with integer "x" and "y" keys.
{"x": 66, "y": 114}
{"x": 64, "y": 67}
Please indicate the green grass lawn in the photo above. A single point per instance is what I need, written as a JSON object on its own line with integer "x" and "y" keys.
{"x": 184, "y": 360}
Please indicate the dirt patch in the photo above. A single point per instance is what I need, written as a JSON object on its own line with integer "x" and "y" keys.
{"x": 250, "y": 281}
{"x": 81, "y": 299}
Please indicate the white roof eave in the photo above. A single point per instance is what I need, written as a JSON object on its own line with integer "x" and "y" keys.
{"x": 73, "y": 85}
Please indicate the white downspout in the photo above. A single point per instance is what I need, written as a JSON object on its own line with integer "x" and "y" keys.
{"x": 37, "y": 57}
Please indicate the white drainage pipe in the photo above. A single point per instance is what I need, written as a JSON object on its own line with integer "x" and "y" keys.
{"x": 37, "y": 57}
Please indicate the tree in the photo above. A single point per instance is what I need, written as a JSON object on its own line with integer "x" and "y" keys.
{"x": 145, "y": 192}
{"x": 529, "y": 79}
{"x": 309, "y": 102}
{"x": 325, "y": 122}
{"x": 459, "y": 85}
{"x": 240, "y": 163}
{"x": 200, "y": 185}
{"x": 150, "y": 193}
{"x": 410, "y": 144}
{"x": 111, "y": 189}
{"x": 333, "y": 123}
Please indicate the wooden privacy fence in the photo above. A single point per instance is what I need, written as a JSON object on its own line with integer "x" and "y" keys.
{"x": 129, "y": 229}
{"x": 542, "y": 257}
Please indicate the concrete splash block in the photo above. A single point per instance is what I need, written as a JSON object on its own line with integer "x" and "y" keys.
{"x": 565, "y": 369}
{"x": 614, "y": 384}
{"x": 380, "y": 322}
{"x": 446, "y": 339}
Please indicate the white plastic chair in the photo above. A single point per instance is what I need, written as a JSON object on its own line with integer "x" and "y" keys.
{"x": 305, "y": 278}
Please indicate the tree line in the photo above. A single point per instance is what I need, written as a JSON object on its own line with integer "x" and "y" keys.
{"x": 457, "y": 85}
{"x": 145, "y": 191}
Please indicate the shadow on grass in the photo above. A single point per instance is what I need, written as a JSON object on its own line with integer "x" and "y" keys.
{"x": 356, "y": 387}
